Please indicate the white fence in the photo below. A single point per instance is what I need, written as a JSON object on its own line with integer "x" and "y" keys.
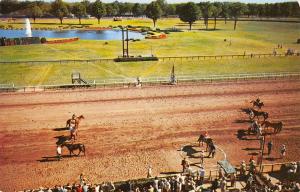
{"x": 129, "y": 82}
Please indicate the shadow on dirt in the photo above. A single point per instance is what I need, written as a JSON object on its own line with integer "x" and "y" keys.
{"x": 272, "y": 158}
{"x": 246, "y": 110}
{"x": 62, "y": 139}
{"x": 251, "y": 149}
{"x": 189, "y": 150}
{"x": 52, "y": 158}
{"x": 61, "y": 129}
{"x": 170, "y": 173}
{"x": 242, "y": 121}
{"x": 243, "y": 135}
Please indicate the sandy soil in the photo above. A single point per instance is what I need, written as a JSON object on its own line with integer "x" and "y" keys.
{"x": 125, "y": 130}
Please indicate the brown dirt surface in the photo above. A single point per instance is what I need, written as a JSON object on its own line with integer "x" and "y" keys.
{"x": 127, "y": 129}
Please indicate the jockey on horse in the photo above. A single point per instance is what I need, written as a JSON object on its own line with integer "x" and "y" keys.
{"x": 71, "y": 124}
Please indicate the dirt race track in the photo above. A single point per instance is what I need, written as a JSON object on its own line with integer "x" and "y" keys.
{"x": 125, "y": 130}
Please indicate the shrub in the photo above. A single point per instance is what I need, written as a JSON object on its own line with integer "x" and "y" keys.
{"x": 43, "y": 40}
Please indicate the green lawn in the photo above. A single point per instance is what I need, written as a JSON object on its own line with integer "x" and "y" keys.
{"x": 250, "y": 37}
{"x": 37, "y": 74}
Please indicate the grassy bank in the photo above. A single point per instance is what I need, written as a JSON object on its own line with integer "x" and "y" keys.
{"x": 36, "y": 74}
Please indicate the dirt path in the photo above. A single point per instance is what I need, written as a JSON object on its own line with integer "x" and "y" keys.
{"x": 125, "y": 130}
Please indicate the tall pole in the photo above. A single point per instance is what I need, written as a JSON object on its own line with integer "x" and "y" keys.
{"x": 123, "y": 42}
{"x": 262, "y": 153}
{"x": 127, "y": 42}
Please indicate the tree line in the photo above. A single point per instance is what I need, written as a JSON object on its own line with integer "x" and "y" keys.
{"x": 187, "y": 12}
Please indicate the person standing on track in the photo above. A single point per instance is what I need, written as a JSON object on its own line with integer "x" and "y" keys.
{"x": 201, "y": 157}
{"x": 270, "y": 146}
{"x": 283, "y": 151}
{"x": 58, "y": 152}
{"x": 184, "y": 165}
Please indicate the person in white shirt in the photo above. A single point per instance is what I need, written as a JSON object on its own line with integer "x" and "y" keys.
{"x": 97, "y": 187}
{"x": 201, "y": 174}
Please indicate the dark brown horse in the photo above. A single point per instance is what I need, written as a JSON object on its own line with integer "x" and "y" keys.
{"x": 202, "y": 139}
{"x": 74, "y": 146}
{"x": 74, "y": 130}
{"x": 277, "y": 126}
{"x": 254, "y": 113}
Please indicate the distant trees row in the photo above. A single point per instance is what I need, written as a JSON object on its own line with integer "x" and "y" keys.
{"x": 187, "y": 12}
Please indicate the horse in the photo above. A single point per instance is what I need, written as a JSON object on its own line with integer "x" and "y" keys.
{"x": 254, "y": 127}
{"x": 277, "y": 126}
{"x": 74, "y": 130}
{"x": 257, "y": 104}
{"x": 255, "y": 113}
{"x": 202, "y": 139}
{"x": 71, "y": 147}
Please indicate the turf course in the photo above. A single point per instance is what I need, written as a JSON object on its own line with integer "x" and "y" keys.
{"x": 250, "y": 37}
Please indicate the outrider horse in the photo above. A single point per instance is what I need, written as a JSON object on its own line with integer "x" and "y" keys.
{"x": 202, "y": 139}
{"x": 254, "y": 113}
{"x": 277, "y": 126}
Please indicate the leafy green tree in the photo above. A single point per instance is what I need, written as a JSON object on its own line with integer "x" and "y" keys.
{"x": 79, "y": 11}
{"x": 116, "y": 7}
{"x": 215, "y": 12}
{"x": 87, "y": 5}
{"x": 8, "y": 6}
{"x": 59, "y": 9}
{"x": 98, "y": 10}
{"x": 236, "y": 10}
{"x": 125, "y": 8}
{"x": 109, "y": 10}
{"x": 206, "y": 11}
{"x": 153, "y": 11}
{"x": 138, "y": 10}
{"x": 189, "y": 12}
{"x": 225, "y": 11}
{"x": 163, "y": 5}
{"x": 34, "y": 11}
{"x": 171, "y": 9}
{"x": 252, "y": 9}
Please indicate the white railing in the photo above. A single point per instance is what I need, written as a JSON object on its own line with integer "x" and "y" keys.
{"x": 127, "y": 82}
